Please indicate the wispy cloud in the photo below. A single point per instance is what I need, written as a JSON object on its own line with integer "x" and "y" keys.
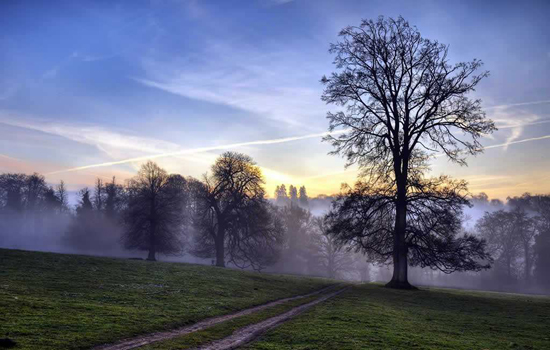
{"x": 514, "y": 122}
{"x": 280, "y": 2}
{"x": 266, "y": 82}
{"x": 113, "y": 143}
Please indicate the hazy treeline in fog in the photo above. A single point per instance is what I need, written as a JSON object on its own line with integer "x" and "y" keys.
{"x": 517, "y": 233}
{"x": 225, "y": 218}
{"x": 114, "y": 219}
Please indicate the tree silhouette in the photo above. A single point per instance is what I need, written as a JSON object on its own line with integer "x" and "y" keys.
{"x": 293, "y": 194}
{"x": 403, "y": 102}
{"x": 532, "y": 226}
{"x": 541, "y": 206}
{"x": 115, "y": 199}
{"x": 232, "y": 217}
{"x": 11, "y": 191}
{"x": 82, "y": 232}
{"x": 333, "y": 257}
{"x": 99, "y": 195}
{"x": 364, "y": 217}
{"x": 25, "y": 200}
{"x": 525, "y": 228}
{"x": 304, "y": 203}
{"x": 297, "y": 254}
{"x": 62, "y": 196}
{"x": 155, "y": 215}
{"x": 281, "y": 196}
{"x": 501, "y": 231}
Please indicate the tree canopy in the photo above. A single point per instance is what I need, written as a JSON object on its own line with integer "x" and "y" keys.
{"x": 156, "y": 211}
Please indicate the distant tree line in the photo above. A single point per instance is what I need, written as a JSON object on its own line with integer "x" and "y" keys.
{"x": 307, "y": 246}
{"x": 224, "y": 217}
{"x": 95, "y": 222}
{"x": 518, "y": 238}
{"x": 29, "y": 207}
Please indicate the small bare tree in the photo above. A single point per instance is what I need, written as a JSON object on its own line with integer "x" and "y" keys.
{"x": 156, "y": 211}
{"x": 232, "y": 217}
{"x": 510, "y": 236}
{"x": 403, "y": 101}
{"x": 333, "y": 256}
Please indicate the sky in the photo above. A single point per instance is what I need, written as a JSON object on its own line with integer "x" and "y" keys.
{"x": 94, "y": 89}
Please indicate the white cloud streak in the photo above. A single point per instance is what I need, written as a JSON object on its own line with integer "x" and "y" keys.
{"x": 252, "y": 143}
{"x": 505, "y": 145}
{"x": 519, "y": 104}
{"x": 200, "y": 150}
{"x": 515, "y": 121}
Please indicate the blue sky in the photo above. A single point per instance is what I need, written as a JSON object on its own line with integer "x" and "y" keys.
{"x": 89, "y": 84}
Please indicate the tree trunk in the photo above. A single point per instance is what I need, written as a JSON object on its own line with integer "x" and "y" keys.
{"x": 151, "y": 256}
{"x": 509, "y": 268}
{"x": 152, "y": 245}
{"x": 152, "y": 231}
{"x": 220, "y": 248}
{"x": 400, "y": 250}
{"x": 527, "y": 263}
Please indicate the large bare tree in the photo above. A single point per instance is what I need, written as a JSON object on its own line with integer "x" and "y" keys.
{"x": 403, "y": 103}
{"x": 233, "y": 219}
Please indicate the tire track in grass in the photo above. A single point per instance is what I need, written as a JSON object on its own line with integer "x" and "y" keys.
{"x": 136, "y": 342}
{"x": 250, "y": 333}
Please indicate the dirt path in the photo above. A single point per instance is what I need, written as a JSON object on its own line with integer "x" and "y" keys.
{"x": 249, "y": 333}
{"x": 155, "y": 337}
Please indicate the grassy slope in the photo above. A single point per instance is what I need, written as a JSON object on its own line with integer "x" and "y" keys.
{"x": 55, "y": 301}
{"x": 373, "y": 317}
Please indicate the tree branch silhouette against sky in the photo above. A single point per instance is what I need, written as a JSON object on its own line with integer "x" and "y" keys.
{"x": 98, "y": 88}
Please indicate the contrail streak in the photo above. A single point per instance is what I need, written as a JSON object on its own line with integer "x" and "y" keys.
{"x": 519, "y": 104}
{"x": 543, "y": 121}
{"x": 199, "y": 150}
{"x": 518, "y": 141}
{"x": 250, "y": 143}
{"x": 506, "y": 144}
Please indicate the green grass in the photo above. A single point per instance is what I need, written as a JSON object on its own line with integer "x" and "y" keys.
{"x": 374, "y": 317}
{"x": 56, "y": 301}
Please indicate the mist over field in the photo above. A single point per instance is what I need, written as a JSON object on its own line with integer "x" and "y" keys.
{"x": 54, "y": 230}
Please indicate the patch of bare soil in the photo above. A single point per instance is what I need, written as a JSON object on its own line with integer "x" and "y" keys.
{"x": 155, "y": 337}
{"x": 249, "y": 333}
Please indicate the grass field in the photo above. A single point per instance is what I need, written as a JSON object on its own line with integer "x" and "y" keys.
{"x": 374, "y": 317}
{"x": 56, "y": 301}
